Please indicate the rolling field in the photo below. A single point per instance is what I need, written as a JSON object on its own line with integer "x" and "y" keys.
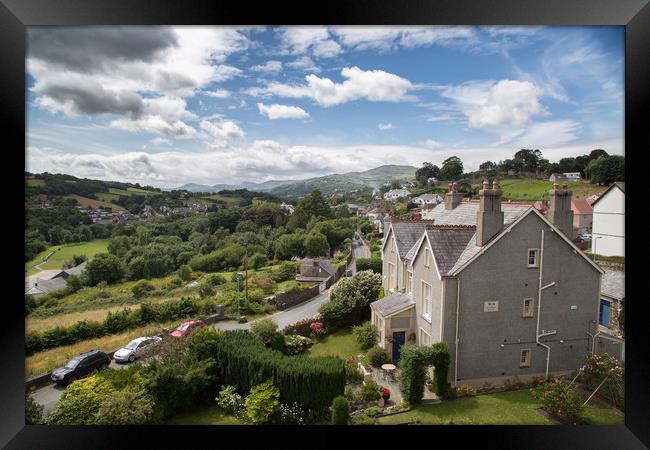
{"x": 231, "y": 201}
{"x": 35, "y": 182}
{"x": 91, "y": 203}
{"x": 67, "y": 252}
{"x": 530, "y": 190}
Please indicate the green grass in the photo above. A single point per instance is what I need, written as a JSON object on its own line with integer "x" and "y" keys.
{"x": 67, "y": 252}
{"x": 107, "y": 196}
{"x": 35, "y": 182}
{"x": 204, "y": 415}
{"x": 530, "y": 190}
{"x": 502, "y": 408}
{"x": 94, "y": 204}
{"x": 341, "y": 343}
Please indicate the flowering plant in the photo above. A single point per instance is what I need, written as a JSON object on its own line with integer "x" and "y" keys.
{"x": 317, "y": 329}
{"x": 385, "y": 393}
{"x": 560, "y": 400}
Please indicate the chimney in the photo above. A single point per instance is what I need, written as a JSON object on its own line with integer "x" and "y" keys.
{"x": 489, "y": 218}
{"x": 453, "y": 197}
{"x": 559, "y": 209}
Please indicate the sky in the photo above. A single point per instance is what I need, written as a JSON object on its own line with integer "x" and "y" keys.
{"x": 165, "y": 106}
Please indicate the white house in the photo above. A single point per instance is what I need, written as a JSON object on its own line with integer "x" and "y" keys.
{"x": 566, "y": 176}
{"x": 289, "y": 208}
{"x": 608, "y": 229}
{"x": 396, "y": 193}
{"x": 427, "y": 199}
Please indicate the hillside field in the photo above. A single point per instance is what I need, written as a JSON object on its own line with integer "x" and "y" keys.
{"x": 91, "y": 203}
{"x": 67, "y": 252}
{"x": 530, "y": 190}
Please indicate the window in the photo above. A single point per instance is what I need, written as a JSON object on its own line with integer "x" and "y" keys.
{"x": 524, "y": 360}
{"x": 427, "y": 258}
{"x": 391, "y": 276}
{"x": 425, "y": 301}
{"x": 392, "y": 246}
{"x": 424, "y": 339}
{"x": 409, "y": 286}
{"x": 533, "y": 254}
{"x": 528, "y": 307}
{"x": 604, "y": 315}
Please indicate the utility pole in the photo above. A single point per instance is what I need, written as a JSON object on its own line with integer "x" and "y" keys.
{"x": 238, "y": 309}
{"x": 245, "y": 261}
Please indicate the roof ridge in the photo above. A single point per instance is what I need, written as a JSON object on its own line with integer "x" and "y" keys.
{"x": 452, "y": 226}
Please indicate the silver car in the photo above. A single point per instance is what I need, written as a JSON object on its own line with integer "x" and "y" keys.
{"x": 135, "y": 348}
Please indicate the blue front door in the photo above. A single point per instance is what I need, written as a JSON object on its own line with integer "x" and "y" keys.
{"x": 398, "y": 340}
{"x": 605, "y": 312}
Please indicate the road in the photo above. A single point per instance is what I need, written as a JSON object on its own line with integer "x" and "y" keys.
{"x": 49, "y": 395}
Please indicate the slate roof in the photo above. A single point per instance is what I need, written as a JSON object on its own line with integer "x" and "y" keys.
{"x": 392, "y": 303}
{"x": 465, "y": 213}
{"x": 612, "y": 283}
{"x": 76, "y": 270}
{"x": 407, "y": 233}
{"x": 448, "y": 244}
{"x": 324, "y": 264}
{"x": 45, "y": 286}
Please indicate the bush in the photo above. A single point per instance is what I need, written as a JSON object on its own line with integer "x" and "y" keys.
{"x": 512, "y": 384}
{"x": 310, "y": 381}
{"x": 286, "y": 271}
{"x": 597, "y": 368}
{"x": 317, "y": 329}
{"x": 263, "y": 402}
{"x": 127, "y": 407}
{"x": 291, "y": 414}
{"x": 560, "y": 400}
{"x": 231, "y": 402}
{"x": 33, "y": 411}
{"x": 350, "y": 300}
{"x": 264, "y": 329}
{"x": 141, "y": 288}
{"x": 366, "y": 335}
{"x": 340, "y": 411}
{"x": 352, "y": 373}
{"x": 81, "y": 401}
{"x": 361, "y": 418}
{"x": 301, "y": 328}
{"x": 206, "y": 290}
{"x": 374, "y": 264}
{"x": 295, "y": 345}
{"x": 413, "y": 363}
{"x": 258, "y": 260}
{"x": 185, "y": 272}
{"x": 263, "y": 282}
{"x": 377, "y": 356}
{"x": 215, "y": 279}
{"x": 370, "y": 391}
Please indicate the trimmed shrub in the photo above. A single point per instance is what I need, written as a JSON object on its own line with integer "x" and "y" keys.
{"x": 370, "y": 391}
{"x": 310, "y": 381}
{"x": 366, "y": 335}
{"x": 340, "y": 411}
{"x": 265, "y": 330}
{"x": 413, "y": 363}
{"x": 377, "y": 356}
{"x": 374, "y": 264}
{"x": 263, "y": 402}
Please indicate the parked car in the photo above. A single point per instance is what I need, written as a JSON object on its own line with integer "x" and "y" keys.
{"x": 347, "y": 273}
{"x": 81, "y": 365}
{"x": 187, "y": 328}
{"x": 584, "y": 236}
{"x": 136, "y": 348}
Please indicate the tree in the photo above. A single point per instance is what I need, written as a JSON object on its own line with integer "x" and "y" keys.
{"x": 567, "y": 165}
{"x": 126, "y": 407}
{"x": 350, "y": 299}
{"x": 289, "y": 245}
{"x": 316, "y": 245}
{"x": 185, "y": 272}
{"x": 33, "y": 411}
{"x": 606, "y": 170}
{"x": 598, "y": 153}
{"x": 529, "y": 158}
{"x": 340, "y": 411}
{"x": 428, "y": 170}
{"x": 264, "y": 329}
{"x": 104, "y": 267}
{"x": 452, "y": 169}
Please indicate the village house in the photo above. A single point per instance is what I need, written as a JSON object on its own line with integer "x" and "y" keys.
{"x": 566, "y": 176}
{"x": 314, "y": 271}
{"x": 610, "y": 337}
{"x": 608, "y": 228}
{"x": 427, "y": 199}
{"x": 396, "y": 193}
{"x": 582, "y": 215}
{"x": 47, "y": 281}
{"x": 502, "y": 284}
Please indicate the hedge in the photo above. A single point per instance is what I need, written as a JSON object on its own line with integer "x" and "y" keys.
{"x": 313, "y": 382}
{"x": 374, "y": 264}
{"x": 115, "y": 322}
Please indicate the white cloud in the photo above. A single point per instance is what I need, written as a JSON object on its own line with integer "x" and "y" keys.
{"x": 546, "y": 134}
{"x": 276, "y": 111}
{"x": 219, "y": 93}
{"x": 385, "y": 126}
{"x": 155, "y": 124}
{"x": 371, "y": 85}
{"x": 432, "y": 145}
{"x": 383, "y": 39}
{"x": 160, "y": 141}
{"x": 504, "y": 103}
{"x": 300, "y": 40}
{"x": 304, "y": 63}
{"x": 269, "y": 66}
{"x": 222, "y": 131}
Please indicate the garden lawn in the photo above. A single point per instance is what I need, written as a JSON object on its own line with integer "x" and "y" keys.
{"x": 341, "y": 343}
{"x": 48, "y": 360}
{"x": 56, "y": 261}
{"x": 204, "y": 415}
{"x": 501, "y": 408}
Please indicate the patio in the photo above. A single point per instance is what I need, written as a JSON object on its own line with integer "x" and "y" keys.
{"x": 393, "y": 384}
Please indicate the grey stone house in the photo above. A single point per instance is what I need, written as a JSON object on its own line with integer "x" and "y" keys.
{"x": 315, "y": 271}
{"x": 500, "y": 283}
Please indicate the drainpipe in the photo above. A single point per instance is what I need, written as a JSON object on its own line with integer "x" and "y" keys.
{"x": 539, "y": 335}
{"x": 456, "y": 340}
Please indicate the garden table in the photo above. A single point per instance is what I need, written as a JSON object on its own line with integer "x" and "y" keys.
{"x": 389, "y": 371}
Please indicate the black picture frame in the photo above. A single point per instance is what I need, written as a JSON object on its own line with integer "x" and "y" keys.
{"x": 15, "y": 15}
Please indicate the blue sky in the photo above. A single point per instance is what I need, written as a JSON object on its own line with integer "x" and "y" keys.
{"x": 170, "y": 105}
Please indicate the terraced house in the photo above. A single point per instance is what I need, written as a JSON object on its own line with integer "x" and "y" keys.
{"x": 502, "y": 284}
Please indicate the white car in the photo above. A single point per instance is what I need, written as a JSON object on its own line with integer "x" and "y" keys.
{"x": 135, "y": 348}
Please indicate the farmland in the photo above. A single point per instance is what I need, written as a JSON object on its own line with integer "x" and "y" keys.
{"x": 67, "y": 251}
{"x": 91, "y": 203}
{"x": 530, "y": 190}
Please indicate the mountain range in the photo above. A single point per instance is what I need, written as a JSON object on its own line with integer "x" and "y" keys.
{"x": 328, "y": 184}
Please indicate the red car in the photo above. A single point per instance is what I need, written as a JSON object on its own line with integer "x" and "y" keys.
{"x": 187, "y": 328}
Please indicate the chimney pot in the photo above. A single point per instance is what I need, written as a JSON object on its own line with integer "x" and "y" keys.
{"x": 485, "y": 184}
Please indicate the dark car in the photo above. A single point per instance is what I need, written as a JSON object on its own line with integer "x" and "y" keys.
{"x": 348, "y": 273}
{"x": 187, "y": 328}
{"x": 80, "y": 366}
